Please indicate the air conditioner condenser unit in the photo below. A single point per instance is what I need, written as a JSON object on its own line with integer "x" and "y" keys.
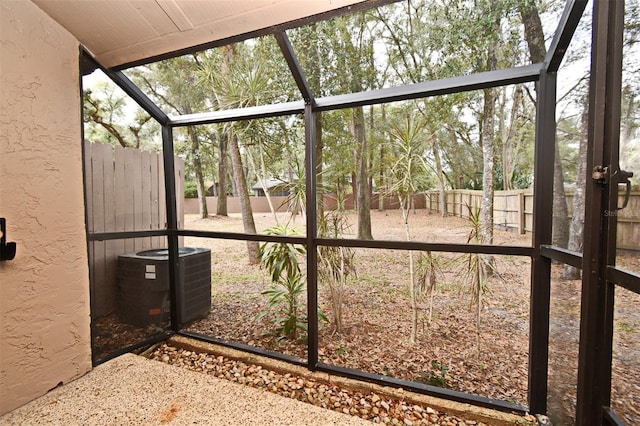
{"x": 143, "y": 286}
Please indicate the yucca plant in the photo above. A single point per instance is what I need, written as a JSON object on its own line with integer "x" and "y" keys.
{"x": 408, "y": 143}
{"x": 428, "y": 268}
{"x": 335, "y": 263}
{"x": 477, "y": 266}
{"x": 296, "y": 201}
{"x": 283, "y": 298}
{"x": 288, "y": 284}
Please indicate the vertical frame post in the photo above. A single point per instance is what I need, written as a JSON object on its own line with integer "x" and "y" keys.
{"x": 172, "y": 227}
{"x": 542, "y": 228}
{"x": 597, "y": 303}
{"x": 312, "y": 248}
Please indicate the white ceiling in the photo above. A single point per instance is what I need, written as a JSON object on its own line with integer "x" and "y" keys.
{"x": 119, "y": 32}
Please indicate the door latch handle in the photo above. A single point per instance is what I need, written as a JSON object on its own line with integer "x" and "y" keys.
{"x": 600, "y": 174}
{"x": 622, "y": 177}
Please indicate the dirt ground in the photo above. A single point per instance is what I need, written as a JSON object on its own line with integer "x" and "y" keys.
{"x": 451, "y": 351}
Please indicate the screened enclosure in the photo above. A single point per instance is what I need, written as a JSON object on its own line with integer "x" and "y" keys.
{"x": 381, "y": 195}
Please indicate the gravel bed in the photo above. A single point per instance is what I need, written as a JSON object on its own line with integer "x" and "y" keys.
{"x": 369, "y": 406}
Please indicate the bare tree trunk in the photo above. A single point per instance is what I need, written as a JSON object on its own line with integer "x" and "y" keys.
{"x": 560, "y": 229}
{"x": 197, "y": 167}
{"x": 362, "y": 175}
{"x": 488, "y": 156}
{"x": 382, "y": 184}
{"x": 261, "y": 174}
{"x": 576, "y": 235}
{"x": 488, "y": 153}
{"x": 319, "y": 175}
{"x": 404, "y": 207}
{"x": 245, "y": 202}
{"x": 440, "y": 175}
{"x": 336, "y": 289}
{"x": 221, "y": 207}
{"x": 534, "y": 36}
{"x": 510, "y": 141}
{"x": 234, "y": 187}
{"x": 370, "y": 161}
{"x": 311, "y": 57}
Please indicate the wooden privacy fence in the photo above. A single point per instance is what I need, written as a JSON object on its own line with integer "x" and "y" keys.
{"x": 124, "y": 192}
{"x": 513, "y": 211}
{"x": 280, "y": 203}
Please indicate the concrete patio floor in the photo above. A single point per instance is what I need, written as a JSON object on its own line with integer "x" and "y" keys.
{"x": 132, "y": 390}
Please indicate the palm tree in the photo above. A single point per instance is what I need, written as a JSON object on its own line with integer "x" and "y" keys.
{"x": 408, "y": 139}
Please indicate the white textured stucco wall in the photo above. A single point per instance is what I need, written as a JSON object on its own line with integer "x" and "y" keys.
{"x": 44, "y": 292}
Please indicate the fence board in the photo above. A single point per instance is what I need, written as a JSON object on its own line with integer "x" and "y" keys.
{"x": 88, "y": 184}
{"x": 129, "y": 196}
{"x": 513, "y": 210}
{"x": 145, "y": 197}
{"x": 98, "y": 291}
{"x": 120, "y": 197}
{"x": 156, "y": 182}
{"x": 88, "y": 190}
{"x": 109, "y": 293}
{"x": 179, "y": 168}
{"x": 629, "y": 222}
{"x": 179, "y": 172}
{"x": 162, "y": 207}
{"x": 137, "y": 195}
{"x": 124, "y": 192}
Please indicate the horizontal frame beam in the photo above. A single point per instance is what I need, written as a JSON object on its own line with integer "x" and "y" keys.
{"x": 626, "y": 279}
{"x": 146, "y": 342}
{"x": 245, "y": 348}
{"x": 562, "y": 255}
{"x": 238, "y": 114}
{"x": 243, "y": 237}
{"x": 424, "y": 389}
{"x": 439, "y": 247}
{"x": 425, "y": 89}
{"x": 104, "y": 236}
{"x": 375, "y": 244}
{"x": 412, "y": 91}
{"x": 611, "y": 418}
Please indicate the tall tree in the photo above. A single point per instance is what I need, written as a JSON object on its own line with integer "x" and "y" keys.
{"x": 534, "y": 35}
{"x": 227, "y": 84}
{"x": 411, "y": 56}
{"x": 104, "y": 112}
{"x": 576, "y": 234}
{"x": 173, "y": 83}
{"x": 352, "y": 42}
{"x": 514, "y": 134}
{"x": 196, "y": 161}
{"x": 407, "y": 170}
{"x": 488, "y": 121}
{"x": 630, "y": 120}
{"x": 310, "y": 54}
{"x": 223, "y": 154}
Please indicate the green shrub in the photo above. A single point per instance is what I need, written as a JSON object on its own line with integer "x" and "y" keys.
{"x": 190, "y": 190}
{"x": 288, "y": 284}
